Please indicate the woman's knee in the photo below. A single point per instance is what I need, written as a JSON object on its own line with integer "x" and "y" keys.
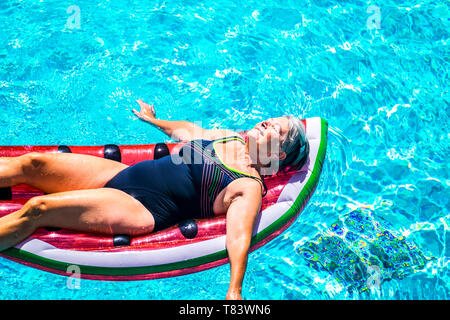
{"x": 36, "y": 208}
{"x": 32, "y": 162}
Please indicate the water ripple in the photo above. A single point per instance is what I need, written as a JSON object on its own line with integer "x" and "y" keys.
{"x": 230, "y": 64}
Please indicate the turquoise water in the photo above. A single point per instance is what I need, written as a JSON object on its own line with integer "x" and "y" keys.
{"x": 383, "y": 198}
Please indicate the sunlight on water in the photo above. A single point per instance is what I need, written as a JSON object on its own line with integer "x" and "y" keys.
{"x": 378, "y": 72}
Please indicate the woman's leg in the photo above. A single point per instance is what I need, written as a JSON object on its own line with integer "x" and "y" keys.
{"x": 105, "y": 211}
{"x": 58, "y": 172}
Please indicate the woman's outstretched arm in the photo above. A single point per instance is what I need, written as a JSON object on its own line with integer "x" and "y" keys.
{"x": 241, "y": 216}
{"x": 177, "y": 130}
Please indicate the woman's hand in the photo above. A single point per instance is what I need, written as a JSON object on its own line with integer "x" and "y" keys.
{"x": 147, "y": 112}
{"x": 233, "y": 295}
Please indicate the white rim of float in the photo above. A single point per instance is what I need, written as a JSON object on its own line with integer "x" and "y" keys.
{"x": 270, "y": 222}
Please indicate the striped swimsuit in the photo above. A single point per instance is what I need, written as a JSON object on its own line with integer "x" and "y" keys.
{"x": 210, "y": 174}
{"x": 180, "y": 186}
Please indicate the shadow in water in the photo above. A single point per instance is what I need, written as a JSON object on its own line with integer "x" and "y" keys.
{"x": 361, "y": 252}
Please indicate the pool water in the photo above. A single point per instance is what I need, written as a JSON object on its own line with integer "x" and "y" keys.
{"x": 377, "y": 226}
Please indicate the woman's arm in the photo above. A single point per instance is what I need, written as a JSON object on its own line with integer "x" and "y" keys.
{"x": 177, "y": 130}
{"x": 241, "y": 216}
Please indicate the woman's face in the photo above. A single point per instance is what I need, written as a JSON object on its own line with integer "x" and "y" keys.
{"x": 268, "y": 136}
{"x": 273, "y": 128}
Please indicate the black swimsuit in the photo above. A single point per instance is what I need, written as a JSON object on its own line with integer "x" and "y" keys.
{"x": 179, "y": 186}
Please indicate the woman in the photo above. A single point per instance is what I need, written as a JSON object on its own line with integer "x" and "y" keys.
{"x": 92, "y": 194}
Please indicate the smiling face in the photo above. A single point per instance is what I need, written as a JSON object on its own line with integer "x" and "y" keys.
{"x": 266, "y": 138}
{"x": 270, "y": 130}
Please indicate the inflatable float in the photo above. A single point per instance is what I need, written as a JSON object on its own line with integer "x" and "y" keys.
{"x": 190, "y": 246}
